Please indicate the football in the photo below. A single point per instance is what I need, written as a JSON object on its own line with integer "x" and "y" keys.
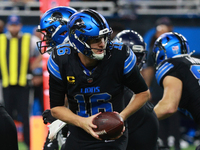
{"x": 109, "y": 125}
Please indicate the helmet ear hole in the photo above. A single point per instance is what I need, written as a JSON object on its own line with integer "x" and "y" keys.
{"x": 63, "y": 33}
{"x": 162, "y": 57}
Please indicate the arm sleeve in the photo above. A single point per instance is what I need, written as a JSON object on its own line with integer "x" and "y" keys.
{"x": 173, "y": 73}
{"x": 135, "y": 81}
{"x": 132, "y": 77}
{"x": 56, "y": 92}
{"x": 57, "y": 88}
{"x": 163, "y": 70}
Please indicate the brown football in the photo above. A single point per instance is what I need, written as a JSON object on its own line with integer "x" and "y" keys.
{"x": 109, "y": 125}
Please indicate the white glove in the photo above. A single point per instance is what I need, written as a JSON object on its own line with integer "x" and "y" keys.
{"x": 54, "y": 128}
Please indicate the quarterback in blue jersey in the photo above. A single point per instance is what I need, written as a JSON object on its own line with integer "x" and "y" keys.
{"x": 178, "y": 74}
{"x": 92, "y": 72}
{"x": 142, "y": 125}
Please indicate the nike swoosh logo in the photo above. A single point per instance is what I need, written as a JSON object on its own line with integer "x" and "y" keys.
{"x": 109, "y": 141}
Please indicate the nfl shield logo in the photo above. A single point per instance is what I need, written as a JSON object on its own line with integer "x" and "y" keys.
{"x": 90, "y": 80}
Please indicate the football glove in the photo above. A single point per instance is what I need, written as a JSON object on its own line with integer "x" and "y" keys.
{"x": 51, "y": 145}
{"x": 47, "y": 117}
{"x": 54, "y": 128}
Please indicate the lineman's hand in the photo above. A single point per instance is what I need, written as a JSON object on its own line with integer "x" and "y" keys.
{"x": 87, "y": 125}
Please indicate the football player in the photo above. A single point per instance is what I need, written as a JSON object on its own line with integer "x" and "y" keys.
{"x": 142, "y": 125}
{"x": 8, "y": 131}
{"x": 92, "y": 72}
{"x": 53, "y": 26}
{"x": 178, "y": 74}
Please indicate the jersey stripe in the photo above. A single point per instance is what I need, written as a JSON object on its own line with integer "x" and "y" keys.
{"x": 129, "y": 62}
{"x": 25, "y": 53}
{"x": 53, "y": 68}
{"x": 3, "y": 59}
{"x": 13, "y": 64}
{"x": 163, "y": 70}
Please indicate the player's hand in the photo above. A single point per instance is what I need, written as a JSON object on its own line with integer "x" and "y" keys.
{"x": 122, "y": 130}
{"x": 47, "y": 117}
{"x": 119, "y": 135}
{"x": 88, "y": 126}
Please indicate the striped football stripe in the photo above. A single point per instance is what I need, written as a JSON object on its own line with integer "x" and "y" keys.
{"x": 53, "y": 68}
{"x": 129, "y": 62}
{"x": 163, "y": 70}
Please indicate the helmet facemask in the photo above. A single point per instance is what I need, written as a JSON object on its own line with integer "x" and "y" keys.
{"x": 159, "y": 53}
{"x": 98, "y": 39}
{"x": 53, "y": 27}
{"x": 46, "y": 42}
{"x": 86, "y": 41}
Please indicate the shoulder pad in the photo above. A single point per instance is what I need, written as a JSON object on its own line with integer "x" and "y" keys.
{"x": 63, "y": 45}
{"x": 117, "y": 45}
{"x": 162, "y": 70}
{"x": 63, "y": 49}
{"x": 130, "y": 61}
{"x": 53, "y": 67}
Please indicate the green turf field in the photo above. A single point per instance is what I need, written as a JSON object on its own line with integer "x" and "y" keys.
{"x": 22, "y": 146}
{"x": 189, "y": 148}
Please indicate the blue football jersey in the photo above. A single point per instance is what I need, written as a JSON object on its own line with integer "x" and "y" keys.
{"x": 187, "y": 69}
{"x": 93, "y": 90}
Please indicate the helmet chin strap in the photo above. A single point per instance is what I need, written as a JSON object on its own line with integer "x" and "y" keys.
{"x": 96, "y": 56}
{"x": 66, "y": 40}
{"x": 58, "y": 28}
{"x": 99, "y": 56}
{"x": 49, "y": 50}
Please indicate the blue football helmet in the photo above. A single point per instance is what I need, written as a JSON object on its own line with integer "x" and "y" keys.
{"x": 135, "y": 41}
{"x": 85, "y": 26}
{"x": 53, "y": 26}
{"x": 168, "y": 45}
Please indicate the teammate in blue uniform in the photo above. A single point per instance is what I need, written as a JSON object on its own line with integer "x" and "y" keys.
{"x": 53, "y": 26}
{"x": 142, "y": 125}
{"x": 178, "y": 74}
{"x": 93, "y": 71}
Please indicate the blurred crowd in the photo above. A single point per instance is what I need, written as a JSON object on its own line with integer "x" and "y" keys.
{"x": 22, "y": 84}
